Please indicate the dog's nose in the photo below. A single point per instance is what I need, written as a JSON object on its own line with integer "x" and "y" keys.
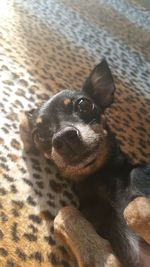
{"x": 66, "y": 139}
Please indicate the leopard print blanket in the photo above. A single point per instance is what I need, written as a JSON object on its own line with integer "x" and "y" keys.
{"x": 46, "y": 46}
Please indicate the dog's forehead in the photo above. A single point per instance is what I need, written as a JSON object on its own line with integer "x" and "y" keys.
{"x": 60, "y": 101}
{"x": 58, "y": 107}
{"x": 64, "y": 97}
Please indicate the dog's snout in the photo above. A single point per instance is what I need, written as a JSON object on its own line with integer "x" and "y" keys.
{"x": 71, "y": 134}
{"x": 66, "y": 139}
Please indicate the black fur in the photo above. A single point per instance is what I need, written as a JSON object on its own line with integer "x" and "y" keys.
{"x": 105, "y": 191}
{"x": 103, "y": 198}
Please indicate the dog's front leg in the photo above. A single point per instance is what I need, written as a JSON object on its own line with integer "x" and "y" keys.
{"x": 78, "y": 235}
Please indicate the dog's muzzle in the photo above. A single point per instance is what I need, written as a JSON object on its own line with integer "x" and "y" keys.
{"x": 67, "y": 141}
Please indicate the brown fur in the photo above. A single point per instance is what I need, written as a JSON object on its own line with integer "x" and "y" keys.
{"x": 88, "y": 248}
{"x": 137, "y": 215}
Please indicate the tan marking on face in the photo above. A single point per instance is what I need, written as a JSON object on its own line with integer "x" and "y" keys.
{"x": 67, "y": 101}
{"x": 39, "y": 120}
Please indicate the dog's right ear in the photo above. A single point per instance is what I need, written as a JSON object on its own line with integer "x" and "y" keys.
{"x": 100, "y": 85}
{"x": 27, "y": 123}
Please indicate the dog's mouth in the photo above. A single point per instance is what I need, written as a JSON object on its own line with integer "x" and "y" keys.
{"x": 82, "y": 163}
{"x": 90, "y": 163}
{"x": 86, "y": 162}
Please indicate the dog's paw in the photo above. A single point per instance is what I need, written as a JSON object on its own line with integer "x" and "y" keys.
{"x": 137, "y": 216}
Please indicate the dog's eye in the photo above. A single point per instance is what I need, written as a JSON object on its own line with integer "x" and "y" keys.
{"x": 85, "y": 106}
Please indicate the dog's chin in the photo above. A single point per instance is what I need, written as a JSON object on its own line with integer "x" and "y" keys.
{"x": 84, "y": 162}
{"x": 80, "y": 171}
{"x": 86, "y": 166}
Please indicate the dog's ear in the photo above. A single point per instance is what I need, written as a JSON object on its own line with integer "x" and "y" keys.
{"x": 27, "y": 123}
{"x": 100, "y": 85}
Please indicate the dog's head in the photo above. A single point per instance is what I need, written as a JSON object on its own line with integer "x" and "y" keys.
{"x": 69, "y": 128}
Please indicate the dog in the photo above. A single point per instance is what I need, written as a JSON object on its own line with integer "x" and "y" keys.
{"x": 71, "y": 130}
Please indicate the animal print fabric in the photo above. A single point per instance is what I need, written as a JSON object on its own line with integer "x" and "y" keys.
{"x": 46, "y": 46}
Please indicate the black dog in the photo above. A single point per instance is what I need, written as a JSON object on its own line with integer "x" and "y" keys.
{"x": 70, "y": 129}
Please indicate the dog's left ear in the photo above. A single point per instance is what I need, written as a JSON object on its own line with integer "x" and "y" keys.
{"x": 27, "y": 122}
{"x": 100, "y": 85}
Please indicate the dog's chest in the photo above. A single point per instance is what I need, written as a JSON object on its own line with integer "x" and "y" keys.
{"x": 98, "y": 194}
